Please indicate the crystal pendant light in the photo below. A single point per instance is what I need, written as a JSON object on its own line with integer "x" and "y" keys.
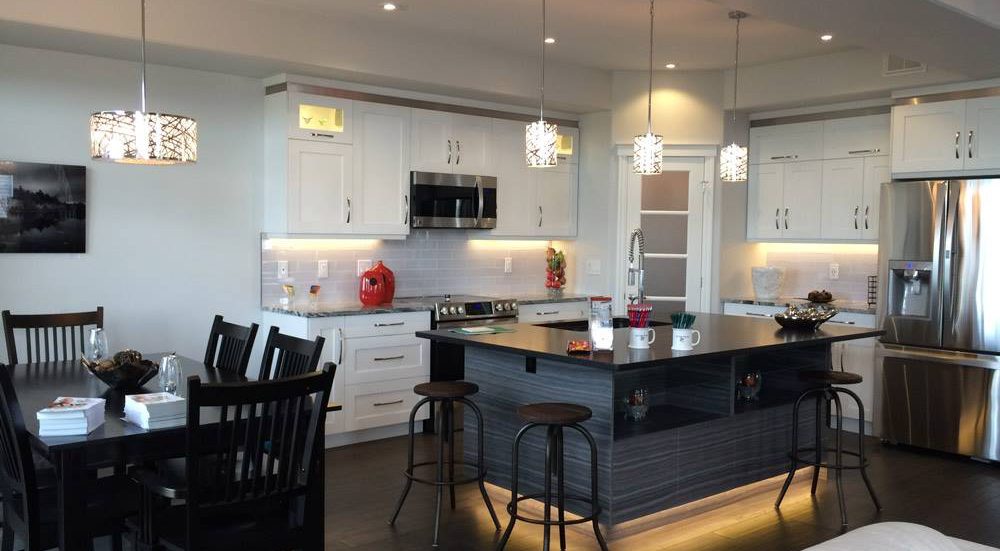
{"x": 647, "y": 149}
{"x": 733, "y": 159}
{"x": 139, "y": 137}
{"x": 540, "y": 136}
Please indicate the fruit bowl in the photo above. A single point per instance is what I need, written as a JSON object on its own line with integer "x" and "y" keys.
{"x": 127, "y": 369}
{"x": 804, "y": 318}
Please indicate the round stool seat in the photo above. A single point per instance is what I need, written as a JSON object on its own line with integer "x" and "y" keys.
{"x": 554, "y": 413}
{"x": 830, "y": 377}
{"x": 446, "y": 389}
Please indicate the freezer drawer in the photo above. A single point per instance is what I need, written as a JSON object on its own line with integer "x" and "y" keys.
{"x": 942, "y": 401}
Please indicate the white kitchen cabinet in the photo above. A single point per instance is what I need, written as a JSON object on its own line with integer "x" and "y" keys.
{"x": 856, "y": 136}
{"x": 451, "y": 143}
{"x": 784, "y": 201}
{"x": 851, "y": 191}
{"x": 320, "y": 118}
{"x": 982, "y": 133}
{"x": 878, "y": 170}
{"x": 553, "y": 311}
{"x": 375, "y": 405}
{"x": 373, "y": 359}
{"x": 531, "y": 202}
{"x": 786, "y": 142}
{"x": 381, "y": 183}
{"x": 928, "y": 137}
{"x": 319, "y": 187}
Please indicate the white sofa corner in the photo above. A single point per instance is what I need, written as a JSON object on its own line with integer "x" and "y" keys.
{"x": 897, "y": 536}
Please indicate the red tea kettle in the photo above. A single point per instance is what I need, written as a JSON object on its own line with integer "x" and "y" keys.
{"x": 378, "y": 285}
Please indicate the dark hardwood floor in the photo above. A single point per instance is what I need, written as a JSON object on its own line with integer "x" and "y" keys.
{"x": 959, "y": 497}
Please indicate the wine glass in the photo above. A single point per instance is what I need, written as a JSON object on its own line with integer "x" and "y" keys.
{"x": 99, "y": 348}
{"x": 170, "y": 373}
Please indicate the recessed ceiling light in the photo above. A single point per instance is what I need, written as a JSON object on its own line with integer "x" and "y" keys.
{"x": 550, "y": 40}
{"x": 826, "y": 37}
{"x": 389, "y": 6}
{"x": 671, "y": 65}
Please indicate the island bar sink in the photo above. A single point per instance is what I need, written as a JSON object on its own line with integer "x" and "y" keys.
{"x": 584, "y": 325}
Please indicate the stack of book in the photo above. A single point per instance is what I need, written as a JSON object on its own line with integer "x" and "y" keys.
{"x": 70, "y": 416}
{"x": 156, "y": 410}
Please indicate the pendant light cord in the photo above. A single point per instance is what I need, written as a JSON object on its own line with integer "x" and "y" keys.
{"x": 142, "y": 56}
{"x": 649, "y": 104}
{"x": 541, "y": 85}
{"x": 736, "y": 71}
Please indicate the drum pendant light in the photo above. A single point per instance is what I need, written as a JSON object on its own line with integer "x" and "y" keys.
{"x": 647, "y": 149}
{"x": 540, "y": 136}
{"x": 139, "y": 137}
{"x": 733, "y": 159}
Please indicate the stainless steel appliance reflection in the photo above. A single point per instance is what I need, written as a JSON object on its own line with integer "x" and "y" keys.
{"x": 939, "y": 260}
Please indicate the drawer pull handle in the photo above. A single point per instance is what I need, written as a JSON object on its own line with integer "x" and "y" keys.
{"x": 322, "y": 135}
{"x": 778, "y": 157}
{"x": 389, "y": 358}
{"x": 393, "y": 324}
{"x": 552, "y": 313}
{"x": 758, "y": 315}
{"x": 863, "y": 151}
{"x": 843, "y": 322}
{"x": 380, "y": 404}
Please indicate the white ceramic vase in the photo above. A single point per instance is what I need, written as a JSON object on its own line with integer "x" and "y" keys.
{"x": 767, "y": 281}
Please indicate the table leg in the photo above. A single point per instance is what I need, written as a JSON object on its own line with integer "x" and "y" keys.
{"x": 71, "y": 476}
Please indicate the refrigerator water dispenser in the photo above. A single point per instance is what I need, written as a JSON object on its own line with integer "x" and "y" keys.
{"x": 909, "y": 288}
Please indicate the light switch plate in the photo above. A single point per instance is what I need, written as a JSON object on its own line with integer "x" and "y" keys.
{"x": 323, "y": 269}
{"x": 282, "y": 269}
{"x": 834, "y": 270}
{"x": 508, "y": 265}
{"x": 593, "y": 266}
{"x": 363, "y": 266}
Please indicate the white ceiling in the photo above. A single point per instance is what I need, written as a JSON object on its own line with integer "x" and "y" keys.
{"x": 603, "y": 34}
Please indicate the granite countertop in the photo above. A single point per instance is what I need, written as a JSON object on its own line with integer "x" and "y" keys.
{"x": 548, "y": 298}
{"x": 720, "y": 336}
{"x": 847, "y": 306}
{"x": 326, "y": 310}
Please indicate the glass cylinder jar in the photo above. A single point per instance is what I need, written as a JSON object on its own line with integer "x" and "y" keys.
{"x": 602, "y": 327}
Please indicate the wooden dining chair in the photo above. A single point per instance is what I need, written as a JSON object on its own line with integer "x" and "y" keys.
{"x": 287, "y": 356}
{"x": 29, "y": 504}
{"x": 229, "y": 346}
{"x": 246, "y": 475}
{"x": 50, "y": 337}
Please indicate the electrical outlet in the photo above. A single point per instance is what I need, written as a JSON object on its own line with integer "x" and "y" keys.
{"x": 323, "y": 269}
{"x": 363, "y": 266}
{"x": 593, "y": 266}
{"x": 282, "y": 269}
{"x": 834, "y": 271}
{"x": 508, "y": 265}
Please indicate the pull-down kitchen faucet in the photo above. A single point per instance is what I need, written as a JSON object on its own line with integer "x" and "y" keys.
{"x": 636, "y": 270}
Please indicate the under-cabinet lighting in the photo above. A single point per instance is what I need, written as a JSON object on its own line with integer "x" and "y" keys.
{"x": 509, "y": 244}
{"x": 822, "y": 248}
{"x": 317, "y": 244}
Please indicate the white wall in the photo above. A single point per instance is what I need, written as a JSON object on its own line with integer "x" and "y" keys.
{"x": 598, "y": 196}
{"x": 687, "y": 106}
{"x": 167, "y": 247}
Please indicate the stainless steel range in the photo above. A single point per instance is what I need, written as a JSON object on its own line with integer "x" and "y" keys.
{"x": 459, "y": 310}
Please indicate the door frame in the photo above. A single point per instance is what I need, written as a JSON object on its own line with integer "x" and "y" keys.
{"x": 709, "y": 155}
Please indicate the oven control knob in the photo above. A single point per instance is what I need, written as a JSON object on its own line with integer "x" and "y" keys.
{"x": 513, "y": 306}
{"x": 461, "y": 309}
{"x": 444, "y": 310}
{"x": 501, "y": 306}
{"x": 452, "y": 310}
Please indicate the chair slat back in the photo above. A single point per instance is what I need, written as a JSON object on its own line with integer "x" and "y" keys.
{"x": 287, "y": 356}
{"x": 17, "y": 467}
{"x": 50, "y": 337}
{"x": 229, "y": 346}
{"x": 260, "y": 454}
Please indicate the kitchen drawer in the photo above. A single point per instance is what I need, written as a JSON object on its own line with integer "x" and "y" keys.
{"x": 750, "y": 310}
{"x": 553, "y": 311}
{"x": 376, "y": 325}
{"x": 857, "y": 320}
{"x": 373, "y": 359}
{"x": 373, "y": 405}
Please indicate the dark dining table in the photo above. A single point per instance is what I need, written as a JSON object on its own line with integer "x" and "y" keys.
{"x": 117, "y": 442}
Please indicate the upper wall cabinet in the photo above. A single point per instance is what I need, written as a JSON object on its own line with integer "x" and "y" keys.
{"x": 320, "y": 118}
{"x": 787, "y": 142}
{"x": 850, "y": 199}
{"x": 450, "y": 142}
{"x": 381, "y": 190}
{"x": 946, "y": 138}
{"x": 783, "y": 201}
{"x": 856, "y": 137}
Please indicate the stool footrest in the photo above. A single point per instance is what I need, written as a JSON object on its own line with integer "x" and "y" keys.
{"x": 456, "y": 482}
{"x": 797, "y": 456}
{"x": 579, "y": 499}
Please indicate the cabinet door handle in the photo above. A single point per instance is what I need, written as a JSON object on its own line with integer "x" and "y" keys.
{"x": 866, "y": 215}
{"x": 779, "y": 157}
{"x": 539, "y": 216}
{"x": 863, "y": 151}
{"x": 322, "y": 135}
{"x": 786, "y": 217}
{"x": 972, "y": 134}
{"x": 389, "y": 358}
{"x": 348, "y": 210}
{"x": 449, "y": 151}
{"x": 550, "y": 313}
{"x": 393, "y": 324}
{"x": 406, "y": 209}
{"x": 392, "y": 403}
{"x": 958, "y": 136}
{"x": 758, "y": 315}
{"x": 340, "y": 356}
{"x": 856, "y": 209}
{"x": 458, "y": 152}
{"x": 777, "y": 216}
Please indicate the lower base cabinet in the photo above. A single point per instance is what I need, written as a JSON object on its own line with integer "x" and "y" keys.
{"x": 381, "y": 404}
{"x": 553, "y": 311}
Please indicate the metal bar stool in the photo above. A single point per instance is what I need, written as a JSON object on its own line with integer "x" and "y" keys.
{"x": 826, "y": 394}
{"x": 446, "y": 393}
{"x": 555, "y": 417}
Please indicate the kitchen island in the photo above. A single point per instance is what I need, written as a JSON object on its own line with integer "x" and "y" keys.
{"x": 699, "y": 437}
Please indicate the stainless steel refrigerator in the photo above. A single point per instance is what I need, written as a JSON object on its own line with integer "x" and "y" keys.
{"x": 939, "y": 270}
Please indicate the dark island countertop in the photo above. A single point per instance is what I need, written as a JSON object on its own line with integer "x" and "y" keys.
{"x": 720, "y": 336}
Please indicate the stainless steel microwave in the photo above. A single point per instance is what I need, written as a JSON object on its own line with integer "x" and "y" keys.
{"x": 454, "y": 201}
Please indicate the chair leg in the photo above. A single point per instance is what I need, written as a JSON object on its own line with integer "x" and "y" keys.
{"x": 820, "y": 402}
{"x": 561, "y": 488}
{"x": 409, "y": 464}
{"x": 839, "y": 459}
{"x": 861, "y": 448}
{"x": 442, "y": 427}
{"x": 550, "y": 445}
{"x": 450, "y": 405}
{"x": 8, "y": 538}
{"x": 481, "y": 455}
{"x": 513, "y": 487}
{"x": 595, "y": 507}
{"x": 794, "y": 456}
{"x": 116, "y": 541}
